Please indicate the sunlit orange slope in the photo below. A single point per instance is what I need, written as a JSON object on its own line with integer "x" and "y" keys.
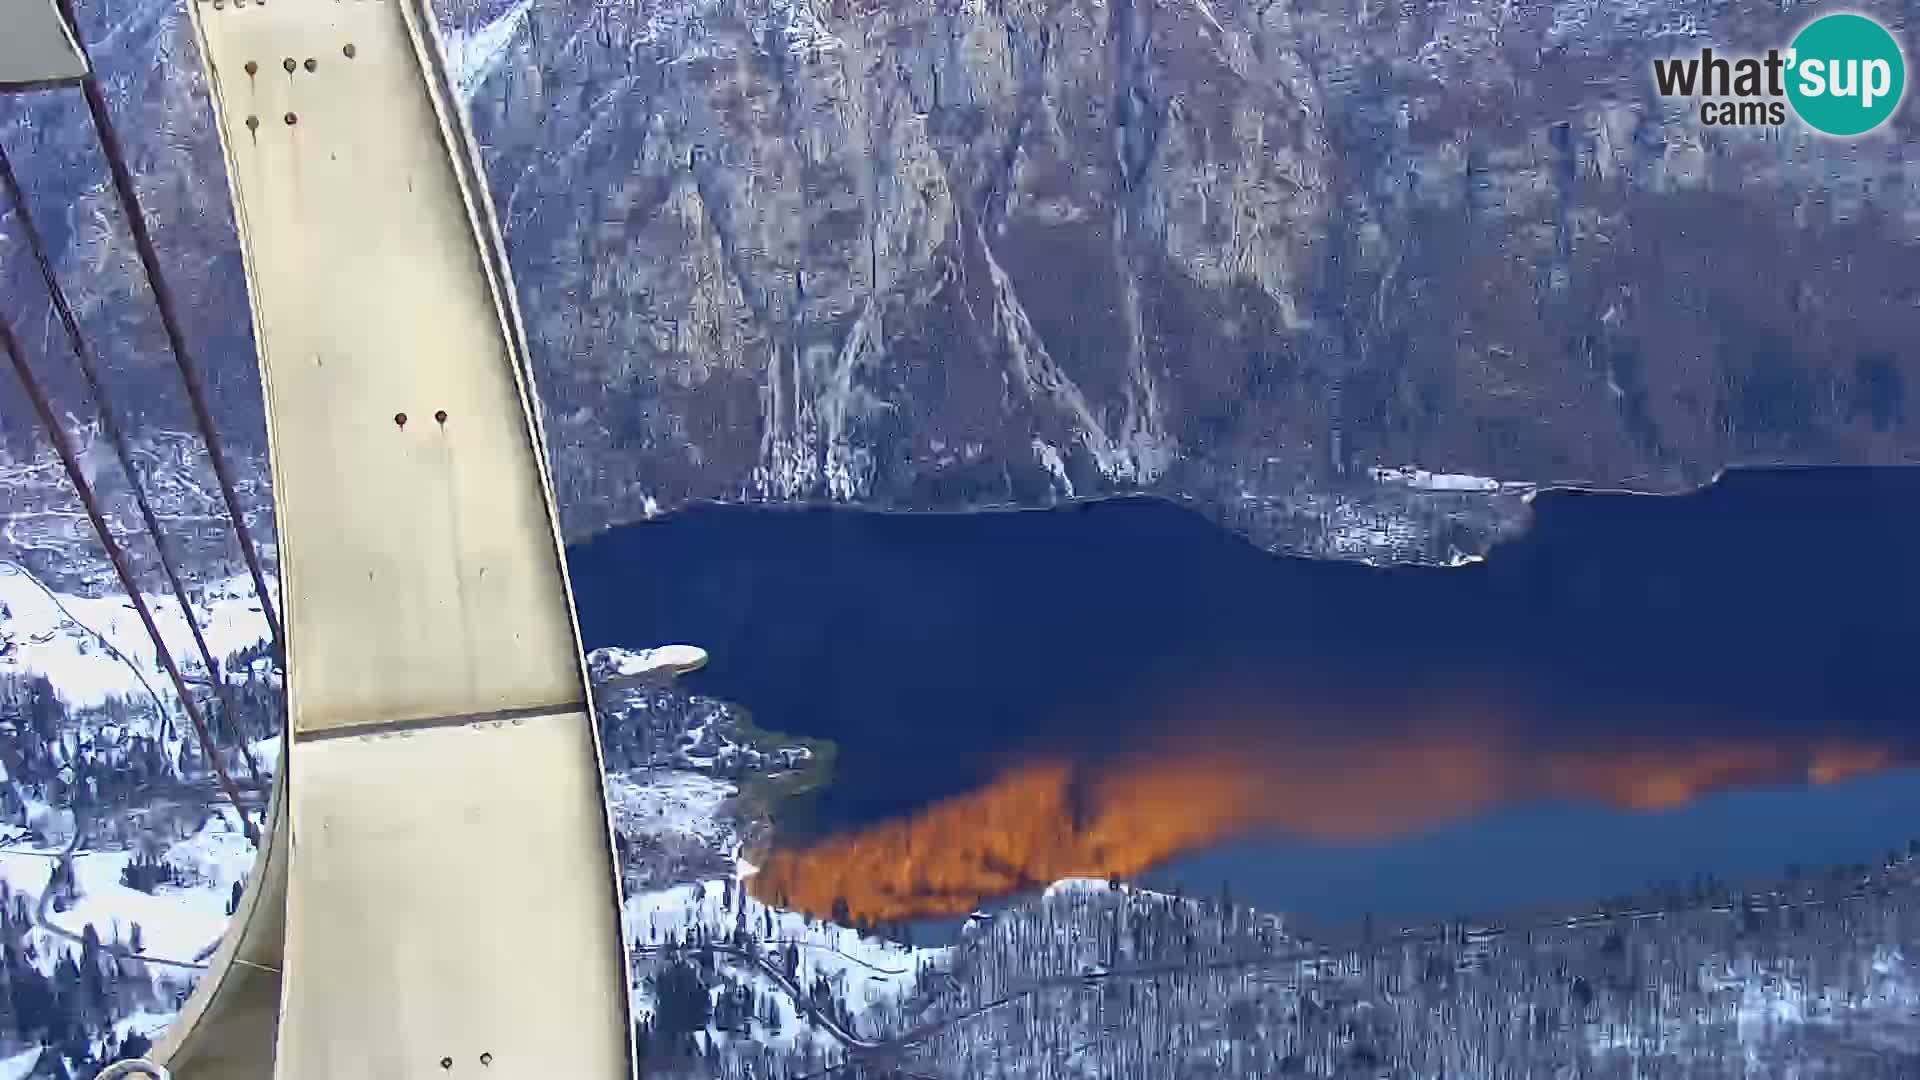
{"x": 1042, "y": 822}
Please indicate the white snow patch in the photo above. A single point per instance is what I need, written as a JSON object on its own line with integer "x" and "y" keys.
{"x": 152, "y": 1025}
{"x": 665, "y": 660}
{"x": 1055, "y": 465}
{"x": 266, "y": 754}
{"x": 58, "y": 636}
{"x": 19, "y": 1066}
{"x": 215, "y": 857}
{"x": 868, "y": 971}
{"x": 475, "y": 55}
{"x": 1076, "y": 885}
{"x": 674, "y": 801}
{"x": 175, "y": 923}
{"x": 1425, "y": 480}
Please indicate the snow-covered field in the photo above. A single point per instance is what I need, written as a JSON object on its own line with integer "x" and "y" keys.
{"x": 1427, "y": 480}
{"x": 176, "y": 923}
{"x": 865, "y": 972}
{"x": 674, "y": 803}
{"x": 873, "y": 970}
{"x": 676, "y": 809}
{"x": 93, "y": 649}
{"x": 65, "y": 637}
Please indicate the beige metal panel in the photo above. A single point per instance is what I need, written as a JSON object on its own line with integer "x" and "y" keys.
{"x": 36, "y": 45}
{"x": 451, "y": 889}
{"x": 463, "y": 930}
{"x": 227, "y": 1030}
{"x": 373, "y": 300}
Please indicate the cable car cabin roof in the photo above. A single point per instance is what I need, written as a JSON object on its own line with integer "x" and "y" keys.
{"x": 37, "y": 47}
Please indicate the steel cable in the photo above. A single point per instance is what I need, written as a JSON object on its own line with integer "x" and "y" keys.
{"x": 63, "y": 446}
{"x": 129, "y": 197}
{"x": 83, "y": 357}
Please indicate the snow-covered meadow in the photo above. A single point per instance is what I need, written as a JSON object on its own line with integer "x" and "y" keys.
{"x": 682, "y": 842}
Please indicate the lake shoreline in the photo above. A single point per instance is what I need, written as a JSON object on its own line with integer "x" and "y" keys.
{"x": 1737, "y": 631}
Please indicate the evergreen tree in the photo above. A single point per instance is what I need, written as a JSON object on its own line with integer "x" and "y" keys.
{"x": 135, "y": 1045}
{"x": 683, "y": 1002}
{"x": 93, "y": 977}
{"x": 34, "y": 1002}
{"x": 642, "y": 1040}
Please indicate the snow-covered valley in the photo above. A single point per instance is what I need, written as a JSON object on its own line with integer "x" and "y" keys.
{"x": 119, "y": 867}
{"x": 136, "y": 880}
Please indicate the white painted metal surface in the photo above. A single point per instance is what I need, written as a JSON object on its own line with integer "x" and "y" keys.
{"x": 465, "y": 933}
{"x": 36, "y": 45}
{"x": 450, "y": 898}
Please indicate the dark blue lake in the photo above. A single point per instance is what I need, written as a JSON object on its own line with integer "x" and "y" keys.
{"x": 1638, "y": 689}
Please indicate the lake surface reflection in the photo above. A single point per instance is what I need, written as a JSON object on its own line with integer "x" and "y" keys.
{"x": 1124, "y": 688}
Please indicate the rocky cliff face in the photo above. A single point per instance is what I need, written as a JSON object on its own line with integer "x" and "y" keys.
{"x": 935, "y": 254}
{"x": 1261, "y": 256}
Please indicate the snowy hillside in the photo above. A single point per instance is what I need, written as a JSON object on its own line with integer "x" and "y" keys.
{"x": 121, "y": 859}
{"x": 119, "y": 862}
{"x": 177, "y": 922}
{"x": 95, "y": 648}
{"x": 857, "y": 978}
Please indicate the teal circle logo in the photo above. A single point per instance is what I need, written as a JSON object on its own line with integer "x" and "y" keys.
{"x": 1846, "y": 74}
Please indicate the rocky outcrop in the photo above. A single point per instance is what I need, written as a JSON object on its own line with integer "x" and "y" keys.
{"x": 1266, "y": 257}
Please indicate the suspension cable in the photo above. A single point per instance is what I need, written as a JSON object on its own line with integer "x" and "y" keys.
{"x": 169, "y": 319}
{"x": 84, "y": 358}
{"x": 64, "y": 447}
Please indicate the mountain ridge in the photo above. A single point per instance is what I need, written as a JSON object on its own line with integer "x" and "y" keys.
{"x": 1253, "y": 257}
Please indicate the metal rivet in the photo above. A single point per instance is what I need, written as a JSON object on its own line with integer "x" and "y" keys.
{"x": 253, "y": 68}
{"x": 312, "y": 63}
{"x": 440, "y": 417}
{"x": 400, "y": 419}
{"x": 486, "y": 1059}
{"x": 289, "y": 63}
{"x": 349, "y": 51}
{"x": 292, "y": 119}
